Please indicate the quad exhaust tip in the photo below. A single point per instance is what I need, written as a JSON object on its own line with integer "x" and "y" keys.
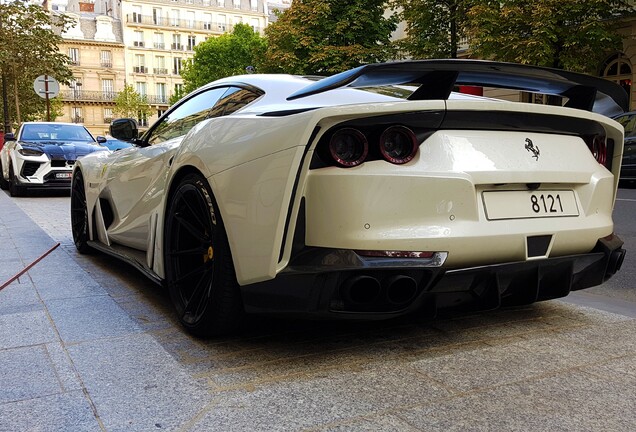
{"x": 364, "y": 290}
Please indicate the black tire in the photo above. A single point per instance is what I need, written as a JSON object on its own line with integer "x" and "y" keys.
{"x": 4, "y": 185}
{"x": 79, "y": 214}
{"x": 199, "y": 270}
{"x": 15, "y": 190}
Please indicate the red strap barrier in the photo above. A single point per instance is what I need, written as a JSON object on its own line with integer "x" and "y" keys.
{"x": 26, "y": 269}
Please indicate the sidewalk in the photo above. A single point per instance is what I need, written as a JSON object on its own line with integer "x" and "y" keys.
{"x": 88, "y": 344}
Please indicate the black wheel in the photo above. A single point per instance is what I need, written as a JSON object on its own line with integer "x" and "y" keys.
{"x": 15, "y": 190}
{"x": 79, "y": 214}
{"x": 199, "y": 270}
{"x": 4, "y": 185}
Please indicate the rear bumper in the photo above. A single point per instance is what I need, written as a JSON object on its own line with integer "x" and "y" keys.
{"x": 338, "y": 284}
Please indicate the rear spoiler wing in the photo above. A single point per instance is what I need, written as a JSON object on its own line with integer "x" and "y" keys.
{"x": 437, "y": 78}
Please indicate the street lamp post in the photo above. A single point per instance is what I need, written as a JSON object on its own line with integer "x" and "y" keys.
{"x": 76, "y": 90}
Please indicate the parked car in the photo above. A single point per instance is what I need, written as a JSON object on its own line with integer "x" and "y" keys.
{"x": 42, "y": 155}
{"x": 628, "y": 166}
{"x": 370, "y": 194}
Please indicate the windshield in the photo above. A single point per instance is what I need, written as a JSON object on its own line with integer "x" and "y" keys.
{"x": 54, "y": 132}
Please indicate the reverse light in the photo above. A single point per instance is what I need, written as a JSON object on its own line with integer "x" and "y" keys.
{"x": 30, "y": 152}
{"x": 348, "y": 147}
{"x": 398, "y": 144}
{"x": 394, "y": 254}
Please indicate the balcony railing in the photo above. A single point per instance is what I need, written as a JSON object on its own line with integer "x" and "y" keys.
{"x": 157, "y": 99}
{"x": 74, "y": 62}
{"x": 181, "y": 23}
{"x": 140, "y": 69}
{"x": 98, "y": 96}
{"x": 89, "y": 96}
{"x": 77, "y": 119}
{"x": 160, "y": 71}
{"x": 228, "y": 4}
{"x": 139, "y": 44}
{"x": 106, "y": 64}
{"x": 176, "y": 46}
{"x": 159, "y": 45}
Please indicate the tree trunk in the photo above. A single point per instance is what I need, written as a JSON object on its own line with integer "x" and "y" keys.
{"x": 5, "y": 105}
{"x": 18, "y": 118}
{"x": 453, "y": 30}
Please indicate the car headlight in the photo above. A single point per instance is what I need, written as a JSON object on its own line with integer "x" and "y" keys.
{"x": 30, "y": 152}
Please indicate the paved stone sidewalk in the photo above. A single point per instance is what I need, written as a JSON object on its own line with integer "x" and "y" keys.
{"x": 87, "y": 344}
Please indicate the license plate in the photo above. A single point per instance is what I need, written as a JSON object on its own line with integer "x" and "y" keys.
{"x": 529, "y": 204}
{"x": 63, "y": 175}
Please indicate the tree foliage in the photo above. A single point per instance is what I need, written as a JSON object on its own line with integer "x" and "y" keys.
{"x": 434, "y": 27}
{"x": 29, "y": 48}
{"x": 328, "y": 36}
{"x": 566, "y": 34}
{"x": 130, "y": 104}
{"x": 226, "y": 55}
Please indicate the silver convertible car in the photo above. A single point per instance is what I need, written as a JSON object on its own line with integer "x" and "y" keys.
{"x": 370, "y": 194}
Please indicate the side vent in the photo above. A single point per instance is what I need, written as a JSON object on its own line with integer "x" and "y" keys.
{"x": 107, "y": 212}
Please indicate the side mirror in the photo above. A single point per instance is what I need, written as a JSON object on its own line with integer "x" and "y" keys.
{"x": 101, "y": 139}
{"x": 124, "y": 129}
{"x": 9, "y": 136}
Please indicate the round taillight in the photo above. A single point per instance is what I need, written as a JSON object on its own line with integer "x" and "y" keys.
{"x": 398, "y": 144}
{"x": 348, "y": 147}
{"x": 599, "y": 149}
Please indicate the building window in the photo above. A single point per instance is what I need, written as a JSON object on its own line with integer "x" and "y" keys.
{"x": 141, "y": 88}
{"x": 76, "y": 115}
{"x": 160, "y": 112}
{"x": 177, "y": 66}
{"x": 108, "y": 115}
{"x": 136, "y": 15}
{"x": 190, "y": 19}
{"x": 160, "y": 66}
{"x": 221, "y": 3}
{"x": 236, "y": 4}
{"x": 192, "y": 41}
{"x": 255, "y": 25}
{"x": 207, "y": 21}
{"x": 222, "y": 23}
{"x": 73, "y": 54}
{"x": 174, "y": 15}
{"x": 254, "y": 5}
{"x": 176, "y": 42}
{"x": 106, "y": 59}
{"x": 139, "y": 39}
{"x": 159, "y": 44}
{"x": 161, "y": 93}
{"x": 108, "y": 89}
{"x": 618, "y": 69}
{"x": 142, "y": 119}
{"x": 156, "y": 16}
{"x": 76, "y": 86}
{"x": 140, "y": 64}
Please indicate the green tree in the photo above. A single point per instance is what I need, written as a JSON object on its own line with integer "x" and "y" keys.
{"x": 566, "y": 34}
{"x": 130, "y": 104}
{"x": 328, "y": 36}
{"x": 29, "y": 48}
{"x": 433, "y": 27}
{"x": 226, "y": 55}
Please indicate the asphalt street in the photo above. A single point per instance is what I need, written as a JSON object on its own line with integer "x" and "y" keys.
{"x": 88, "y": 344}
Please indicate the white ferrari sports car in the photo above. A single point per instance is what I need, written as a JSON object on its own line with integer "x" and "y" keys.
{"x": 41, "y": 155}
{"x": 370, "y": 194}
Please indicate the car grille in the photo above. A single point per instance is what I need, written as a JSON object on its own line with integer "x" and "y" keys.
{"x": 61, "y": 163}
{"x": 29, "y": 168}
